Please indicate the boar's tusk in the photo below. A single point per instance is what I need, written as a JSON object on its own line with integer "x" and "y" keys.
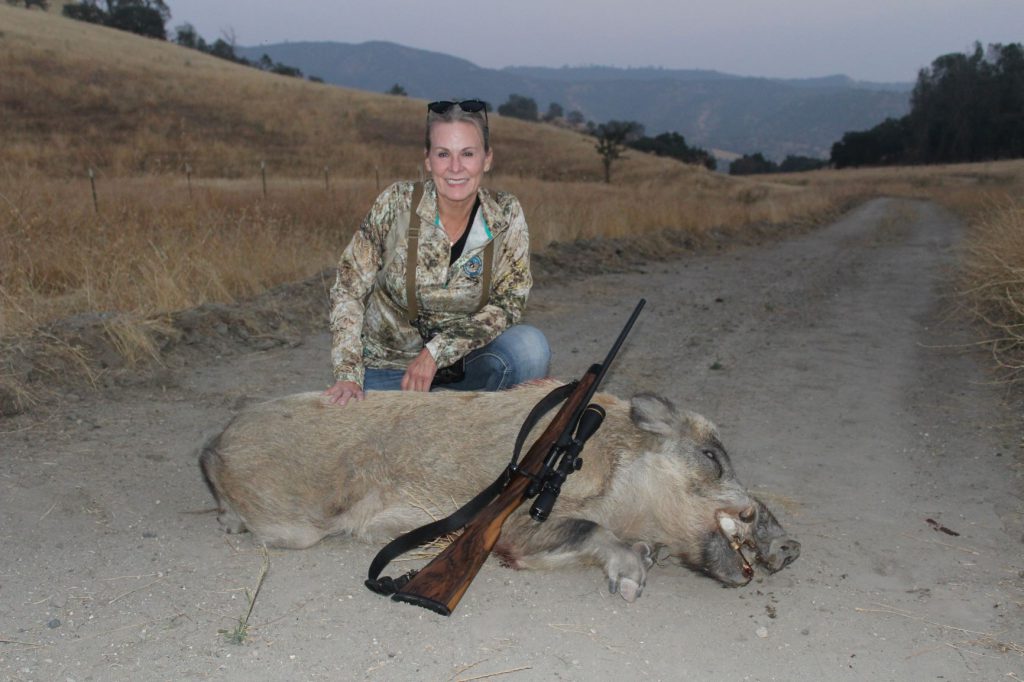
{"x": 730, "y": 529}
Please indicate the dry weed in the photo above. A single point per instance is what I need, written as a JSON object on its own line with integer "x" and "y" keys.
{"x": 136, "y": 339}
{"x": 993, "y": 284}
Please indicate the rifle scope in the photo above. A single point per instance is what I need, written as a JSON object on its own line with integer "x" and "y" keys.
{"x": 590, "y": 421}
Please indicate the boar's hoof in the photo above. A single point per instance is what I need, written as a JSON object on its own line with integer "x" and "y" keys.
{"x": 781, "y": 553}
{"x": 627, "y": 570}
{"x": 231, "y": 522}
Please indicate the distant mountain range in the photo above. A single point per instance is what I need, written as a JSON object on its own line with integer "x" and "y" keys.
{"x": 724, "y": 113}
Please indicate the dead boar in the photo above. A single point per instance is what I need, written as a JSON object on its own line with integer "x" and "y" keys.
{"x": 656, "y": 480}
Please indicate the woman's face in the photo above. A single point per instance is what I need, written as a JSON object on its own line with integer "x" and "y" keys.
{"x": 456, "y": 160}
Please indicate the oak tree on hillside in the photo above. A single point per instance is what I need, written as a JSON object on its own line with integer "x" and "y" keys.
{"x": 612, "y": 139}
{"x": 752, "y": 164}
{"x": 673, "y": 145}
{"x": 144, "y": 17}
{"x": 519, "y": 106}
{"x": 555, "y": 111}
{"x": 29, "y": 4}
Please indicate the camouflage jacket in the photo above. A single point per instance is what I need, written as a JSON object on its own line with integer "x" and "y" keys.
{"x": 368, "y": 315}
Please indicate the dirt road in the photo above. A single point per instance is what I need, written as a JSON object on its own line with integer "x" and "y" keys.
{"x": 824, "y": 361}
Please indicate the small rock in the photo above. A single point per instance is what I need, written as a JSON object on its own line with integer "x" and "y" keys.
{"x": 148, "y": 534}
{"x": 55, "y": 623}
{"x": 762, "y": 632}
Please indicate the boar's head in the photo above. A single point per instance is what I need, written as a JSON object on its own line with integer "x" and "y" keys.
{"x": 691, "y": 505}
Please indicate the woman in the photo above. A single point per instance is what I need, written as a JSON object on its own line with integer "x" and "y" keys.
{"x": 472, "y": 277}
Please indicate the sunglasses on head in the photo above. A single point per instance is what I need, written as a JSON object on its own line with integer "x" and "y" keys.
{"x": 470, "y": 106}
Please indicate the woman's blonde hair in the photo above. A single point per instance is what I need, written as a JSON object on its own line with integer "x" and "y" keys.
{"x": 456, "y": 114}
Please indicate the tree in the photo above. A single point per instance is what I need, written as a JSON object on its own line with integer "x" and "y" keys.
{"x": 144, "y": 17}
{"x": 1008, "y": 120}
{"x": 800, "y": 164}
{"x": 519, "y": 106}
{"x": 752, "y": 164}
{"x": 674, "y": 145}
{"x": 85, "y": 11}
{"x": 964, "y": 107}
{"x": 29, "y": 4}
{"x": 555, "y": 111}
{"x": 886, "y": 143}
{"x": 398, "y": 90}
{"x": 949, "y": 107}
{"x": 187, "y": 36}
{"x": 575, "y": 118}
{"x": 139, "y": 18}
{"x": 612, "y": 138}
{"x": 285, "y": 70}
{"x": 223, "y": 49}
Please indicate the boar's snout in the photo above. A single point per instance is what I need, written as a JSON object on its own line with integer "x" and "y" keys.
{"x": 781, "y": 553}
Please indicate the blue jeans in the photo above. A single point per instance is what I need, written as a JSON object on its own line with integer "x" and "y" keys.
{"x": 519, "y": 354}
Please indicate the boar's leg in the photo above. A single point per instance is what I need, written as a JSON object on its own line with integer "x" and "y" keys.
{"x": 561, "y": 541}
{"x": 210, "y": 464}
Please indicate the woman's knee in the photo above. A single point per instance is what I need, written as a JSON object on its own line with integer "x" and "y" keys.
{"x": 527, "y": 351}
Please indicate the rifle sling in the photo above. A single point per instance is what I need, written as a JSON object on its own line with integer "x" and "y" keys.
{"x": 411, "y": 253}
{"x": 414, "y": 538}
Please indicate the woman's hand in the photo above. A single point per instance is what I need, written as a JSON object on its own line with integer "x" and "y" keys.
{"x": 343, "y": 391}
{"x": 420, "y": 372}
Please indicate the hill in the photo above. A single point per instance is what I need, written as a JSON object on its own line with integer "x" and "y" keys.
{"x": 711, "y": 109}
{"x": 76, "y": 95}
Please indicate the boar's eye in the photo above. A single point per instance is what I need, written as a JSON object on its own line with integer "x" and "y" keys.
{"x": 713, "y": 456}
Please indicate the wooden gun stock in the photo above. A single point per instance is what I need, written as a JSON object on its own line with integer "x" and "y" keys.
{"x": 439, "y": 585}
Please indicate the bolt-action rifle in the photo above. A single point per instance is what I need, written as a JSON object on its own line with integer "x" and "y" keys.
{"x": 555, "y": 455}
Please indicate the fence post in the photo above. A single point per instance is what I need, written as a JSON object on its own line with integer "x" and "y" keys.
{"x": 188, "y": 179}
{"x": 263, "y": 174}
{"x": 377, "y": 173}
{"x": 327, "y": 178}
{"x": 92, "y": 183}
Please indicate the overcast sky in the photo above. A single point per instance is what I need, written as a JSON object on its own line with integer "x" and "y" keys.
{"x": 878, "y": 40}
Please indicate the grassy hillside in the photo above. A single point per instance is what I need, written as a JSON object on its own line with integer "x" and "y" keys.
{"x": 75, "y": 95}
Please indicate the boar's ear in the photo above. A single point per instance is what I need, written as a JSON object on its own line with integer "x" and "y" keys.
{"x": 654, "y": 414}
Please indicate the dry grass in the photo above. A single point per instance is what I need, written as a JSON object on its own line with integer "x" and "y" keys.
{"x": 966, "y": 189}
{"x": 150, "y": 249}
{"x": 993, "y": 282}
